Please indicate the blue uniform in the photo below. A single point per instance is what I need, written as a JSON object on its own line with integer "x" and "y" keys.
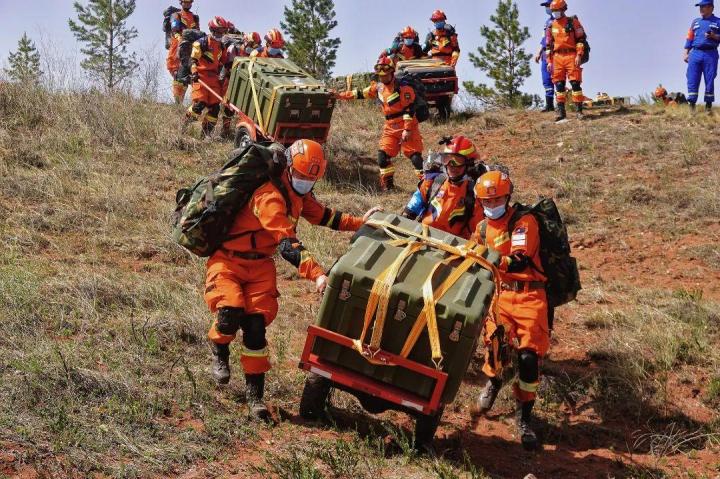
{"x": 703, "y": 60}
{"x": 546, "y": 75}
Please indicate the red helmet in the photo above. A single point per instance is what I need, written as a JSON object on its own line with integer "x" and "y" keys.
{"x": 408, "y": 32}
{"x": 252, "y": 39}
{"x": 462, "y": 146}
{"x": 218, "y": 24}
{"x": 384, "y": 66}
{"x": 307, "y": 157}
{"x": 493, "y": 184}
{"x": 438, "y": 16}
{"x": 558, "y": 5}
{"x": 274, "y": 38}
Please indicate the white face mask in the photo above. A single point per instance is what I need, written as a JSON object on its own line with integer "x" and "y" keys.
{"x": 494, "y": 213}
{"x": 302, "y": 187}
{"x": 557, "y": 15}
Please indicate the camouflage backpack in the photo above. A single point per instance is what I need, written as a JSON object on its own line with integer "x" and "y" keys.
{"x": 563, "y": 277}
{"x": 206, "y": 211}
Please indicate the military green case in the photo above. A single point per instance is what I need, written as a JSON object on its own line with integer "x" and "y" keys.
{"x": 461, "y": 310}
{"x": 293, "y": 105}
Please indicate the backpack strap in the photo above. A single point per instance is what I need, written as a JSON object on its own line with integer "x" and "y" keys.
{"x": 483, "y": 231}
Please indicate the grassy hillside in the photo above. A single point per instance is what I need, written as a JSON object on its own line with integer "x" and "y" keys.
{"x": 103, "y": 361}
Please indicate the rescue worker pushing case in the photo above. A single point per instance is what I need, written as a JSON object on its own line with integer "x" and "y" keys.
{"x": 241, "y": 282}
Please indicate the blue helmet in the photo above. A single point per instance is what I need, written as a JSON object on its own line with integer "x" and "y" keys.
{"x": 545, "y": 4}
{"x": 704, "y": 3}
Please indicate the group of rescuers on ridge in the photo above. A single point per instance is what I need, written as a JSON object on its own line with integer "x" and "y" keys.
{"x": 472, "y": 201}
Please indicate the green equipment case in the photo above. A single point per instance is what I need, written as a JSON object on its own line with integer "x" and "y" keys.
{"x": 460, "y": 312}
{"x": 283, "y": 99}
{"x": 352, "y": 81}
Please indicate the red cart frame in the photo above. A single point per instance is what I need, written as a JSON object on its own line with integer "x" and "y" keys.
{"x": 357, "y": 382}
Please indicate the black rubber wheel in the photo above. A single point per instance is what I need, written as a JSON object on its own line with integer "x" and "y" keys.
{"x": 444, "y": 107}
{"x": 314, "y": 397}
{"x": 425, "y": 428}
{"x": 241, "y": 136}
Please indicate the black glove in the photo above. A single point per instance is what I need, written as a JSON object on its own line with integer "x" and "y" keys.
{"x": 194, "y": 77}
{"x": 517, "y": 263}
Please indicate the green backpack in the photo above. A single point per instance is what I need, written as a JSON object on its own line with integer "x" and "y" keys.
{"x": 558, "y": 266}
{"x": 206, "y": 211}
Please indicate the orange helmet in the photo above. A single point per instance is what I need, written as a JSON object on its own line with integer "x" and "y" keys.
{"x": 252, "y": 39}
{"x": 493, "y": 184}
{"x": 558, "y": 5}
{"x": 660, "y": 92}
{"x": 218, "y": 24}
{"x": 274, "y": 38}
{"x": 408, "y": 32}
{"x": 307, "y": 157}
{"x": 437, "y": 16}
{"x": 384, "y": 66}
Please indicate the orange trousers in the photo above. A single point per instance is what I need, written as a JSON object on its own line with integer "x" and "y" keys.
{"x": 201, "y": 94}
{"x": 564, "y": 68}
{"x": 241, "y": 283}
{"x": 525, "y": 314}
{"x": 390, "y": 141}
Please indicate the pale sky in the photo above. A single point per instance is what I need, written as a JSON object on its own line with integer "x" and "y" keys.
{"x": 635, "y": 43}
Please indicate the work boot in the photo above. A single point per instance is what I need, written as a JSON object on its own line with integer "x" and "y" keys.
{"x": 523, "y": 418}
{"x": 692, "y": 106}
{"x": 487, "y": 396}
{"x": 221, "y": 364}
{"x": 708, "y": 107}
{"x": 254, "y": 392}
{"x": 207, "y": 129}
{"x": 387, "y": 183}
{"x": 549, "y": 104}
{"x": 561, "y": 112}
{"x": 580, "y": 115}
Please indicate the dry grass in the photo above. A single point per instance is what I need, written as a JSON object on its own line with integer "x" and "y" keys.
{"x": 103, "y": 359}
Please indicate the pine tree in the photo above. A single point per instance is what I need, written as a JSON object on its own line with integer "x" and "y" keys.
{"x": 25, "y": 62}
{"x": 308, "y": 24}
{"x": 102, "y": 26}
{"x": 503, "y": 59}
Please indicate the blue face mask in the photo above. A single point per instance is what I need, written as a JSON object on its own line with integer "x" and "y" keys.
{"x": 494, "y": 213}
{"x": 274, "y": 51}
{"x": 249, "y": 50}
{"x": 302, "y": 187}
{"x": 408, "y": 41}
{"x": 548, "y": 11}
{"x": 439, "y": 25}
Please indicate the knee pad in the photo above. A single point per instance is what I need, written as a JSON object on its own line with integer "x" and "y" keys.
{"x": 253, "y": 327}
{"x": 560, "y": 86}
{"x": 528, "y": 366}
{"x": 198, "y": 107}
{"x": 383, "y": 159}
{"x": 417, "y": 161}
{"x": 575, "y": 85}
{"x": 228, "y": 320}
{"x": 214, "y": 110}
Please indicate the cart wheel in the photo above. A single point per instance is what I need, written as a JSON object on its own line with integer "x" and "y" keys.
{"x": 444, "y": 107}
{"x": 425, "y": 428}
{"x": 242, "y": 135}
{"x": 314, "y": 397}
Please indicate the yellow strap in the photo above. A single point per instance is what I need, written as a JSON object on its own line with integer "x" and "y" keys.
{"x": 379, "y": 297}
{"x": 428, "y": 312}
{"x": 251, "y": 64}
{"x": 348, "y": 82}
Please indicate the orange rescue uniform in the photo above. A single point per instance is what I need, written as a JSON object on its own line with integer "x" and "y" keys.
{"x": 563, "y": 47}
{"x": 443, "y": 44}
{"x": 397, "y": 105}
{"x": 242, "y": 273}
{"x": 453, "y": 208}
{"x": 522, "y": 305}
{"x": 179, "y": 21}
